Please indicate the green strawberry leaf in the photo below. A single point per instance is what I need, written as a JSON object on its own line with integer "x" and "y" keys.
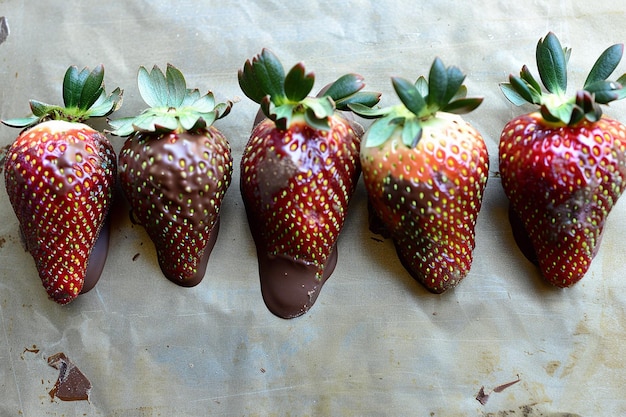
{"x": 248, "y": 83}
{"x": 366, "y": 111}
{"x": 21, "y": 122}
{"x": 176, "y": 86}
{"x": 512, "y": 95}
{"x": 298, "y": 84}
{"x": 193, "y": 96}
{"x": 189, "y": 120}
{"x": 172, "y": 106}
{"x": 382, "y": 129}
{"x": 531, "y": 83}
{"x": 420, "y": 102}
{"x": 463, "y": 105}
{"x": 422, "y": 86}
{"x": 106, "y": 105}
{"x": 73, "y": 85}
{"x": 621, "y": 92}
{"x": 345, "y": 86}
{"x": 319, "y": 123}
{"x": 455, "y": 87}
{"x": 409, "y": 95}
{"x": 555, "y": 106}
{"x": 204, "y": 104}
{"x": 411, "y": 132}
{"x": 263, "y": 80}
{"x": 40, "y": 109}
{"x": 152, "y": 86}
{"x": 552, "y": 64}
{"x": 604, "y": 91}
{"x": 437, "y": 84}
{"x": 524, "y": 90}
{"x": 270, "y": 74}
{"x": 364, "y": 98}
{"x": 123, "y": 126}
{"x": 92, "y": 88}
{"x": 83, "y": 97}
{"x": 604, "y": 65}
{"x": 323, "y": 107}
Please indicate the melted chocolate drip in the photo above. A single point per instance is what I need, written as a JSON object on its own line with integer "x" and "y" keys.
{"x": 521, "y": 237}
{"x": 290, "y": 287}
{"x": 98, "y": 256}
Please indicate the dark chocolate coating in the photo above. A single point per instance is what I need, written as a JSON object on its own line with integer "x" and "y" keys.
{"x": 98, "y": 257}
{"x": 290, "y": 287}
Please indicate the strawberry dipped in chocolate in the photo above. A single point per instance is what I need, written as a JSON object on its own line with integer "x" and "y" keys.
{"x": 175, "y": 168}
{"x": 60, "y": 175}
{"x": 425, "y": 170}
{"x": 563, "y": 166}
{"x": 298, "y": 173}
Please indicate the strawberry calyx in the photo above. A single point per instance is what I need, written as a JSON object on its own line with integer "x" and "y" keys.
{"x": 172, "y": 106}
{"x": 556, "y": 105}
{"x": 284, "y": 97}
{"x": 443, "y": 91}
{"x": 84, "y": 97}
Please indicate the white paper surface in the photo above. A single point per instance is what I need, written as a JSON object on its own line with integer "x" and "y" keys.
{"x": 375, "y": 343}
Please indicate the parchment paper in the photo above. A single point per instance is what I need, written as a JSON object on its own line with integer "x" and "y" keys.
{"x": 376, "y": 343}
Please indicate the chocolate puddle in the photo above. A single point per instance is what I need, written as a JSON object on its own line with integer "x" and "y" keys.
{"x": 72, "y": 384}
{"x": 290, "y": 287}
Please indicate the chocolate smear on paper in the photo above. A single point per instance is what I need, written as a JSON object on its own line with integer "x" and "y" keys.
{"x": 72, "y": 384}
{"x": 482, "y": 396}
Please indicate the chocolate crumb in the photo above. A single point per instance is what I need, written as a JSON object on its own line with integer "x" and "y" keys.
{"x": 72, "y": 384}
{"x": 135, "y": 256}
{"x": 33, "y": 349}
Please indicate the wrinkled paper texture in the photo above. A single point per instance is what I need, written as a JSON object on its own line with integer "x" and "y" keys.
{"x": 376, "y": 343}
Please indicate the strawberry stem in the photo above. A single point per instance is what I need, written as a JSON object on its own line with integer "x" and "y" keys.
{"x": 420, "y": 101}
{"x": 555, "y": 105}
{"x": 84, "y": 97}
{"x": 285, "y": 97}
{"x": 172, "y": 106}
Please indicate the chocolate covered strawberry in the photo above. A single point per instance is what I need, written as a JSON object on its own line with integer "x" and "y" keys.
{"x": 174, "y": 169}
{"x": 59, "y": 176}
{"x": 425, "y": 170}
{"x": 298, "y": 173}
{"x": 563, "y": 167}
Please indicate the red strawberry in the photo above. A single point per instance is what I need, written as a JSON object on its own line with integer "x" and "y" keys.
{"x": 174, "y": 170}
{"x": 425, "y": 170}
{"x": 563, "y": 167}
{"x": 298, "y": 173}
{"x": 59, "y": 175}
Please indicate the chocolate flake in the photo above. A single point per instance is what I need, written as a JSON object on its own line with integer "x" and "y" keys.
{"x": 4, "y": 29}
{"x": 481, "y": 396}
{"x": 72, "y": 384}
